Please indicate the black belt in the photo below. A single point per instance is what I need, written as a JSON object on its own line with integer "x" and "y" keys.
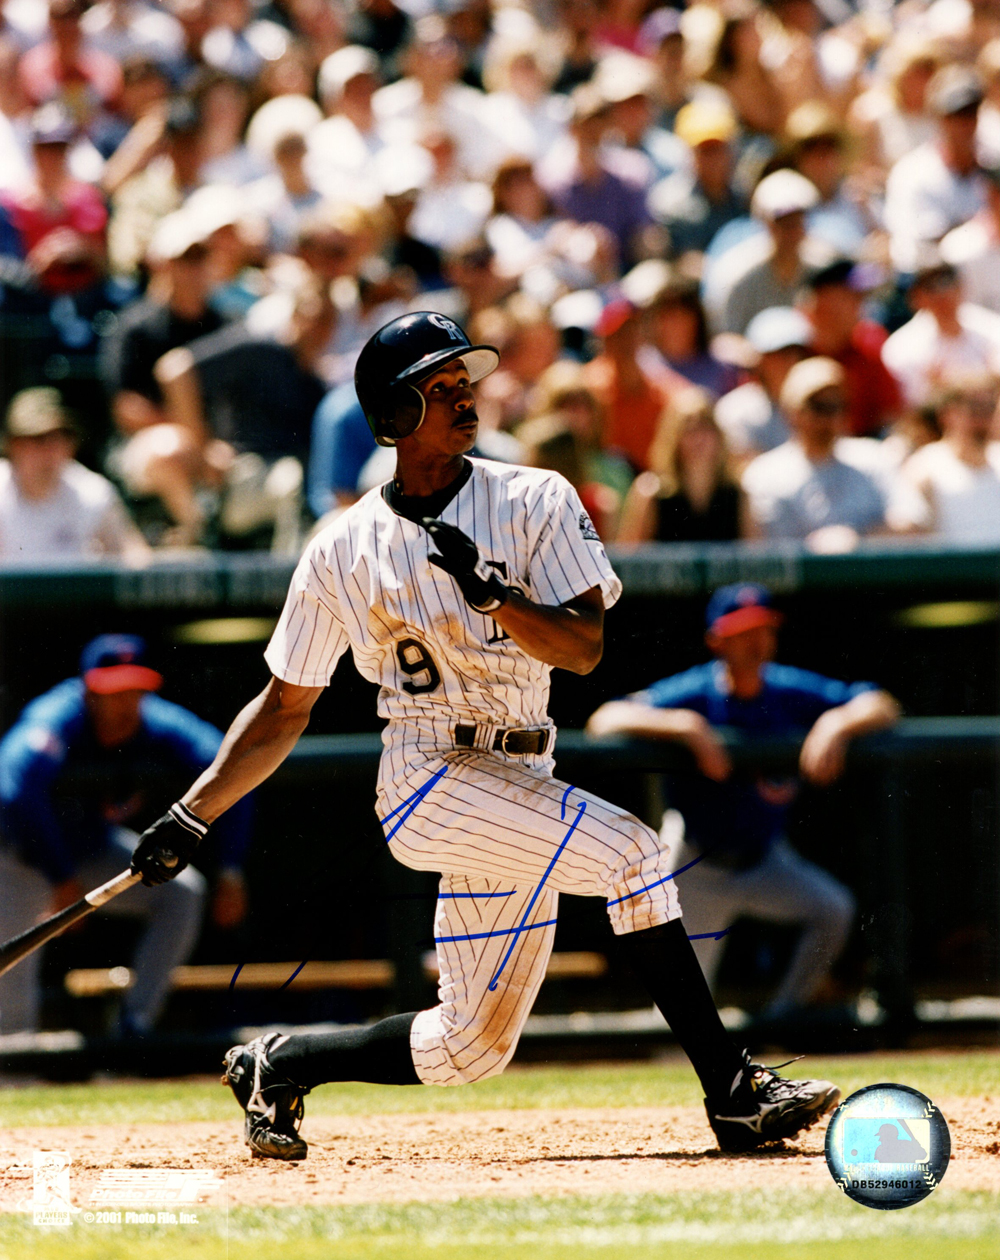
{"x": 517, "y": 743}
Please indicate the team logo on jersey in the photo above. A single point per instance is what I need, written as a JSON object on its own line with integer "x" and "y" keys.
{"x": 587, "y": 528}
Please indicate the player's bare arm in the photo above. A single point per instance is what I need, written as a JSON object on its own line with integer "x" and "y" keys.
{"x": 684, "y": 726}
{"x": 825, "y": 749}
{"x": 258, "y": 741}
{"x": 570, "y": 636}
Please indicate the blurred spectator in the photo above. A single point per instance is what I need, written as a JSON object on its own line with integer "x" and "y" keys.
{"x": 126, "y": 29}
{"x": 65, "y": 68}
{"x": 631, "y": 397}
{"x": 588, "y": 191}
{"x": 818, "y": 149}
{"x": 937, "y": 186}
{"x": 381, "y": 26}
{"x": 688, "y": 494}
{"x": 561, "y": 392}
{"x": 661, "y": 40}
{"x": 51, "y": 507}
{"x": 751, "y": 415}
{"x": 150, "y": 460}
{"x": 520, "y": 106}
{"x": 77, "y": 771}
{"x": 475, "y": 281}
{"x": 892, "y": 116}
{"x": 528, "y": 343}
{"x": 959, "y": 476}
{"x": 155, "y": 167}
{"x": 802, "y": 489}
{"x": 678, "y": 332}
{"x": 577, "y": 43}
{"x": 694, "y": 204}
{"x": 145, "y": 88}
{"x": 341, "y": 445}
{"x": 432, "y": 99}
{"x": 735, "y": 65}
{"x": 54, "y": 225}
{"x": 834, "y": 303}
{"x": 974, "y": 248}
{"x": 550, "y": 442}
{"x": 242, "y": 407}
{"x": 235, "y": 238}
{"x": 279, "y": 132}
{"x": 945, "y": 334}
{"x": 636, "y": 147}
{"x": 768, "y": 269}
{"x": 730, "y": 826}
{"x": 533, "y": 245}
{"x": 349, "y": 137}
{"x": 401, "y": 250}
{"x": 238, "y": 43}
{"x": 331, "y": 245}
{"x": 450, "y": 209}
{"x": 15, "y": 120}
{"x": 223, "y": 102}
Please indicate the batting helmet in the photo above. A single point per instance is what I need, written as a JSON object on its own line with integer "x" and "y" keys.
{"x": 402, "y": 353}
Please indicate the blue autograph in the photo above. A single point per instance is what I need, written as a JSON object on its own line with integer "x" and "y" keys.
{"x": 410, "y": 804}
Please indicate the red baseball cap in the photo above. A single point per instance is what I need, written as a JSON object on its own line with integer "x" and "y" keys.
{"x": 115, "y": 662}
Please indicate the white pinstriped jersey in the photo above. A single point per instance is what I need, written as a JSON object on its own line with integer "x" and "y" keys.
{"x": 366, "y": 583}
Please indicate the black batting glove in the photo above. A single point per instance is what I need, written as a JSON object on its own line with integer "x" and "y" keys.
{"x": 165, "y": 848}
{"x": 460, "y": 557}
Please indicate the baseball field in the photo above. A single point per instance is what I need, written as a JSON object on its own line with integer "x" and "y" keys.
{"x": 543, "y": 1162}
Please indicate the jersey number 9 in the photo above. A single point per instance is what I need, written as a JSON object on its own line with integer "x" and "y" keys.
{"x": 415, "y": 660}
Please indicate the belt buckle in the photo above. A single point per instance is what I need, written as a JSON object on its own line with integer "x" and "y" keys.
{"x": 503, "y": 742}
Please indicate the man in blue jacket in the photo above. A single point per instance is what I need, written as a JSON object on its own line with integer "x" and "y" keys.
{"x": 734, "y": 825}
{"x": 82, "y": 771}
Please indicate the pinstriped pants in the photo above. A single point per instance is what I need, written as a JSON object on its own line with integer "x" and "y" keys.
{"x": 508, "y": 838}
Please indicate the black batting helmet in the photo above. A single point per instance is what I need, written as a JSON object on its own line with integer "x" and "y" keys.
{"x": 398, "y": 356}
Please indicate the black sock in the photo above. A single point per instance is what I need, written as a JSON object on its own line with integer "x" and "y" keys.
{"x": 664, "y": 961}
{"x": 379, "y": 1054}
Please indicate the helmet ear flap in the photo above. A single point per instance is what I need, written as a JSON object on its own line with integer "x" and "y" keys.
{"x": 403, "y": 413}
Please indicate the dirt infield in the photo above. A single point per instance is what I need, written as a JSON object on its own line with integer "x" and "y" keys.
{"x": 445, "y": 1156}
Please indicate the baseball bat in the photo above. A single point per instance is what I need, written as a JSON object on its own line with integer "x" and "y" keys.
{"x": 18, "y": 947}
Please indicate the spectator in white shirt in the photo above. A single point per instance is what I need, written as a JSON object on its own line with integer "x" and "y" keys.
{"x": 974, "y": 248}
{"x": 349, "y": 137}
{"x": 802, "y": 489}
{"x": 959, "y": 476}
{"x": 946, "y": 334}
{"x": 431, "y": 97}
{"x": 767, "y": 270}
{"x": 749, "y": 415}
{"x": 938, "y": 185}
{"x": 51, "y": 507}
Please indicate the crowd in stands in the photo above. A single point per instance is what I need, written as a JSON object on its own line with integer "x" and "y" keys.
{"x": 741, "y": 260}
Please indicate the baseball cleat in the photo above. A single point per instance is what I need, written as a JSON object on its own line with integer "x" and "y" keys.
{"x": 273, "y": 1104}
{"x": 763, "y": 1107}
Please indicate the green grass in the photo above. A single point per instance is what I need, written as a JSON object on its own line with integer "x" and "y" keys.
{"x": 619, "y": 1085}
{"x": 784, "y": 1225}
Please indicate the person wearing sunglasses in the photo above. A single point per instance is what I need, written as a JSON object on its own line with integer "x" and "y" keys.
{"x": 802, "y": 489}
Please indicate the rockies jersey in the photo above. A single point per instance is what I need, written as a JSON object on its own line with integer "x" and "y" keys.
{"x": 366, "y": 582}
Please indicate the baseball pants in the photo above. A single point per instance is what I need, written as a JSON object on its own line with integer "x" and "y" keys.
{"x": 174, "y": 911}
{"x": 783, "y": 888}
{"x": 508, "y": 838}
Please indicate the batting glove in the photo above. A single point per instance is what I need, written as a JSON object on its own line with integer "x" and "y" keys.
{"x": 460, "y": 557}
{"x": 165, "y": 848}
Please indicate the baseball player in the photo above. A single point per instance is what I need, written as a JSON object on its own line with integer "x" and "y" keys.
{"x": 728, "y": 829}
{"x": 74, "y": 781}
{"x": 458, "y": 586}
